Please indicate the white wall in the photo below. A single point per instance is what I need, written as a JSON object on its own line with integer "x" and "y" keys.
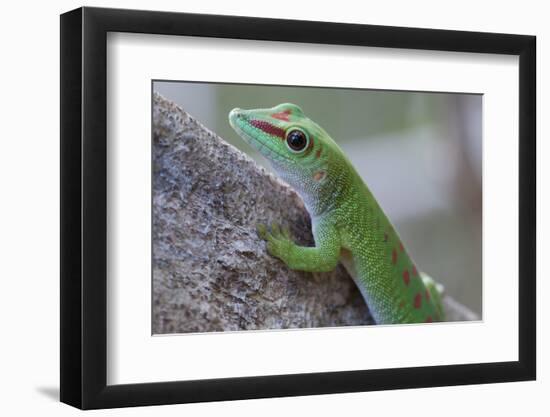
{"x": 29, "y": 224}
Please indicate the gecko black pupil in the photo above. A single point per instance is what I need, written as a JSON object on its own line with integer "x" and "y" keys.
{"x": 297, "y": 140}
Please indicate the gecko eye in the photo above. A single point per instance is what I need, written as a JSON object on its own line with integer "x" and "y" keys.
{"x": 296, "y": 140}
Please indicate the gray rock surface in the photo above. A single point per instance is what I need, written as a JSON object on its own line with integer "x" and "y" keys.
{"x": 210, "y": 270}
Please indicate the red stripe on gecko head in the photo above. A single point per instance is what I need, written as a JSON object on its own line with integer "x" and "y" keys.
{"x": 310, "y": 144}
{"x": 318, "y": 152}
{"x": 283, "y": 115}
{"x": 268, "y": 128}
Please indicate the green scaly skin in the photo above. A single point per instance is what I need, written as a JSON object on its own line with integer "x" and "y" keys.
{"x": 348, "y": 224}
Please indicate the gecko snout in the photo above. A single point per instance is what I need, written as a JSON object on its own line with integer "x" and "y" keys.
{"x": 234, "y": 115}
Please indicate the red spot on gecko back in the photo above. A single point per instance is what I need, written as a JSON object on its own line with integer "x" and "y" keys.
{"x": 393, "y": 256}
{"x": 268, "y": 128}
{"x": 401, "y": 248}
{"x": 406, "y": 277}
{"x": 283, "y": 115}
{"x": 428, "y": 295}
{"x": 429, "y": 319}
{"x": 414, "y": 271}
{"x": 417, "y": 300}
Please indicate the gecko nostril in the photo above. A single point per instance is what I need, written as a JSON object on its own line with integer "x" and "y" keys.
{"x": 236, "y": 112}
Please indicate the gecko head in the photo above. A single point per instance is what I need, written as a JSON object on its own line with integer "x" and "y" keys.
{"x": 299, "y": 150}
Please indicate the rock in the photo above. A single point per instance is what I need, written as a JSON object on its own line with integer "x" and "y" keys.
{"x": 210, "y": 270}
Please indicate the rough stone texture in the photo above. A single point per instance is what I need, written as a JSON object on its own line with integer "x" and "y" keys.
{"x": 210, "y": 270}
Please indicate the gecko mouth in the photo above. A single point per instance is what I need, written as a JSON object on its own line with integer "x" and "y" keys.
{"x": 247, "y": 131}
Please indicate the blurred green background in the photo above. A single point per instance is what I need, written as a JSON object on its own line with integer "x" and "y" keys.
{"x": 420, "y": 154}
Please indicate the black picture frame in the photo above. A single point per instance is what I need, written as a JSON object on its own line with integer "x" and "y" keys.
{"x": 84, "y": 207}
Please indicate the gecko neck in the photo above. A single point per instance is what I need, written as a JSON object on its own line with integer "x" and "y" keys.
{"x": 323, "y": 197}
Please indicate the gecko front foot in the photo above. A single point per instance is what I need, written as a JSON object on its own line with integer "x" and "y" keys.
{"x": 279, "y": 241}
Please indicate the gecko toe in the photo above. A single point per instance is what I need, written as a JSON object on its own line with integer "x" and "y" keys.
{"x": 275, "y": 230}
{"x": 262, "y": 232}
{"x": 287, "y": 233}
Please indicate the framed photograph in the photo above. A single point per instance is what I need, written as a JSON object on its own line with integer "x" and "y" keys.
{"x": 255, "y": 208}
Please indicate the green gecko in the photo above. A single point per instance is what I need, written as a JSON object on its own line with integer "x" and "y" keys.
{"x": 348, "y": 224}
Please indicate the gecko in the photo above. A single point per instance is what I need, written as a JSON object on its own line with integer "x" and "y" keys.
{"x": 348, "y": 224}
